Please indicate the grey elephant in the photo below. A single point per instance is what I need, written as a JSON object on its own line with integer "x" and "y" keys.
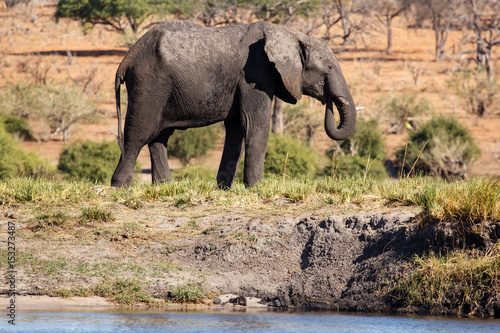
{"x": 181, "y": 75}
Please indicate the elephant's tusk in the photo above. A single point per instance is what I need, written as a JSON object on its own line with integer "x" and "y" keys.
{"x": 359, "y": 108}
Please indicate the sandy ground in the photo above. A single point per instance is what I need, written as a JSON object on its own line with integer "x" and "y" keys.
{"x": 29, "y": 302}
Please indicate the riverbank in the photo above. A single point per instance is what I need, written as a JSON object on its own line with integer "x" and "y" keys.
{"x": 337, "y": 245}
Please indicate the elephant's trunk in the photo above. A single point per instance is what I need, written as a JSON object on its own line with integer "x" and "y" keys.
{"x": 337, "y": 92}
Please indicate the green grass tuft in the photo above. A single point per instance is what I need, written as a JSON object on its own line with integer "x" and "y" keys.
{"x": 191, "y": 292}
{"x": 96, "y": 214}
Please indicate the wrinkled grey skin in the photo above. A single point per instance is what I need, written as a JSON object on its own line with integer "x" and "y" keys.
{"x": 181, "y": 75}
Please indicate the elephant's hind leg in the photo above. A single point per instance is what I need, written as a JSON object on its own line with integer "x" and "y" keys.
{"x": 124, "y": 172}
{"x": 160, "y": 171}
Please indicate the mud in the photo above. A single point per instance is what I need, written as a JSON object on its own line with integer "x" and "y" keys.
{"x": 338, "y": 262}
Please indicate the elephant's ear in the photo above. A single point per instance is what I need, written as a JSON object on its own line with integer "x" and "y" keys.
{"x": 284, "y": 50}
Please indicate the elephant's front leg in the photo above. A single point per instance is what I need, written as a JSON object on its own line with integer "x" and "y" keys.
{"x": 231, "y": 154}
{"x": 256, "y": 120}
{"x": 160, "y": 170}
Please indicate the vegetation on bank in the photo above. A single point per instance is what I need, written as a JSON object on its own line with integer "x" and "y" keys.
{"x": 464, "y": 283}
{"x": 476, "y": 200}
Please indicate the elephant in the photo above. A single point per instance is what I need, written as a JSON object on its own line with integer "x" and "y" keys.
{"x": 181, "y": 75}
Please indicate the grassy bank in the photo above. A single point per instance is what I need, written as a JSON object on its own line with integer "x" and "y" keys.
{"x": 57, "y": 219}
{"x": 475, "y": 201}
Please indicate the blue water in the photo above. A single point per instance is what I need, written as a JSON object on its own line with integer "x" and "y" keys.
{"x": 159, "y": 321}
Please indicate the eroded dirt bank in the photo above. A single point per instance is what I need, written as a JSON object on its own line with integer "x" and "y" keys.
{"x": 324, "y": 262}
{"x": 336, "y": 262}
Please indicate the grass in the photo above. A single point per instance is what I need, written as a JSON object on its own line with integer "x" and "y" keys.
{"x": 96, "y": 214}
{"x": 191, "y": 292}
{"x": 453, "y": 283}
{"x": 125, "y": 291}
{"x": 475, "y": 201}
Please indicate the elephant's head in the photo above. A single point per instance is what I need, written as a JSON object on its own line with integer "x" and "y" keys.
{"x": 308, "y": 66}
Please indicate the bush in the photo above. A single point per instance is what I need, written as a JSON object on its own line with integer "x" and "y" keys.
{"x": 441, "y": 147}
{"x": 193, "y": 142}
{"x": 303, "y": 122}
{"x": 361, "y": 154}
{"x": 14, "y": 161}
{"x": 302, "y": 161}
{"x": 400, "y": 110}
{"x": 479, "y": 95}
{"x": 365, "y": 141}
{"x": 349, "y": 166}
{"x": 90, "y": 161}
{"x": 17, "y": 126}
{"x": 58, "y": 107}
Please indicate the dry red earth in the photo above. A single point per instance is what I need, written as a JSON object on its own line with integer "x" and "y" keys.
{"x": 31, "y": 34}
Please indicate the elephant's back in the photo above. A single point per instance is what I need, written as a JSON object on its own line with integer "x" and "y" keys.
{"x": 197, "y": 45}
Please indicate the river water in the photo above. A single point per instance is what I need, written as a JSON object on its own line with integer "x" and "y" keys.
{"x": 233, "y": 321}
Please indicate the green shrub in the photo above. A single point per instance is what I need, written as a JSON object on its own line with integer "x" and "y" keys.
{"x": 365, "y": 141}
{"x": 441, "y": 147}
{"x": 362, "y": 154}
{"x": 479, "y": 95}
{"x": 90, "y": 160}
{"x": 15, "y": 162}
{"x": 400, "y": 110}
{"x": 366, "y": 167}
{"x": 298, "y": 158}
{"x": 193, "y": 142}
{"x": 96, "y": 214}
{"x": 302, "y": 121}
{"x": 16, "y": 126}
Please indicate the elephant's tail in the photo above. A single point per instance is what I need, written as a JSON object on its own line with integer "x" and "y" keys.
{"x": 118, "y": 82}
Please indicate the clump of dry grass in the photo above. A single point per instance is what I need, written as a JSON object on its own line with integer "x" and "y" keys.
{"x": 454, "y": 283}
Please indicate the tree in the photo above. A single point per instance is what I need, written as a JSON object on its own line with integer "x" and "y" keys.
{"x": 478, "y": 94}
{"x": 281, "y": 11}
{"x": 444, "y": 15}
{"x": 58, "y": 107}
{"x": 277, "y": 119}
{"x": 217, "y": 12}
{"x": 12, "y": 3}
{"x": 343, "y": 11}
{"x": 483, "y": 18}
{"x": 114, "y": 13}
{"x": 385, "y": 11}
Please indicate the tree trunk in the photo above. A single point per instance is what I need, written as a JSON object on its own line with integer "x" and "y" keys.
{"x": 277, "y": 126}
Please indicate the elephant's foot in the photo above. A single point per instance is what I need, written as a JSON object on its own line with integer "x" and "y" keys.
{"x": 117, "y": 181}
